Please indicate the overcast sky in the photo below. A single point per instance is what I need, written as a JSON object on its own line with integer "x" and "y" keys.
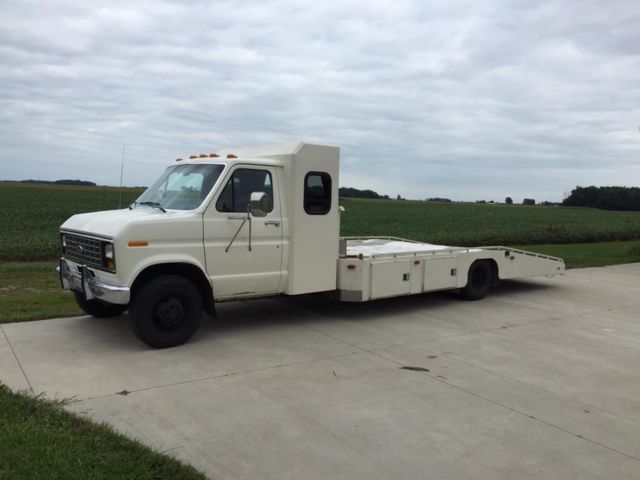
{"x": 462, "y": 99}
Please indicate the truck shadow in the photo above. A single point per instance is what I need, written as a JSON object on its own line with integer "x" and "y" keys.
{"x": 273, "y": 313}
{"x": 316, "y": 308}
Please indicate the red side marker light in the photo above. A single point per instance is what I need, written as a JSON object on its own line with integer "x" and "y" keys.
{"x": 416, "y": 262}
{"x": 351, "y": 267}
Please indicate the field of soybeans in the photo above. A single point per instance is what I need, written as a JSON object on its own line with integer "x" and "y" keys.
{"x": 31, "y": 215}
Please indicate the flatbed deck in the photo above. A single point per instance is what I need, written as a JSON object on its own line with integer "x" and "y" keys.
{"x": 380, "y": 267}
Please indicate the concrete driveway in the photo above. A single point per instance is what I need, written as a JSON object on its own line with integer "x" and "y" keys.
{"x": 539, "y": 380}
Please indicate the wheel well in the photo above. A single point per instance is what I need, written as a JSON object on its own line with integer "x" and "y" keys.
{"x": 186, "y": 270}
{"x": 495, "y": 278}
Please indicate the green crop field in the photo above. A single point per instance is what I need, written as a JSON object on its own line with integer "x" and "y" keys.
{"x": 467, "y": 224}
{"x": 31, "y": 215}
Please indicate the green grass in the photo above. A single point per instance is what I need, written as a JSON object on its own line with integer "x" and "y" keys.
{"x": 486, "y": 224}
{"x": 31, "y": 215}
{"x": 39, "y": 439}
{"x": 591, "y": 254}
{"x": 31, "y": 291}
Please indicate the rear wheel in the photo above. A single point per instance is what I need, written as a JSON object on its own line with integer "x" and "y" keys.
{"x": 166, "y": 311}
{"x": 98, "y": 308}
{"x": 479, "y": 280}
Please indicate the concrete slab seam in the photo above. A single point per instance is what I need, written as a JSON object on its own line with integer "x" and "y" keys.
{"x": 452, "y": 356}
{"x": 530, "y": 417}
{"x": 213, "y": 377}
{"x": 17, "y": 359}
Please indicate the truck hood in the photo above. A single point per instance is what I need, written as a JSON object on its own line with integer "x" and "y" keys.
{"x": 110, "y": 222}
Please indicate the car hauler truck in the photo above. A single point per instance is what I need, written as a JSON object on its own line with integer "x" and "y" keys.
{"x": 251, "y": 223}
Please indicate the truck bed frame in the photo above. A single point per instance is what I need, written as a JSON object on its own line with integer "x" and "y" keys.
{"x": 378, "y": 267}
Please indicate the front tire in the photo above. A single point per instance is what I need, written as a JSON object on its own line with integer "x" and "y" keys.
{"x": 98, "y": 308}
{"x": 479, "y": 280}
{"x": 166, "y": 311}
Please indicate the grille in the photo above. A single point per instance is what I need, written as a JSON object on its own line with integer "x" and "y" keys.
{"x": 83, "y": 250}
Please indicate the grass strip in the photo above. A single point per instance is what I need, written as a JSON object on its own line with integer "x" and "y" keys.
{"x": 39, "y": 439}
{"x": 581, "y": 255}
{"x": 31, "y": 291}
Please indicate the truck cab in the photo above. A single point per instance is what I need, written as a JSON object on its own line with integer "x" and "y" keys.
{"x": 231, "y": 225}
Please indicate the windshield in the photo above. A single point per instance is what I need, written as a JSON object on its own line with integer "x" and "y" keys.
{"x": 181, "y": 187}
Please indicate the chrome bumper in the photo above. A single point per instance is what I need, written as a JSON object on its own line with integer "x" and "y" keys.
{"x": 83, "y": 280}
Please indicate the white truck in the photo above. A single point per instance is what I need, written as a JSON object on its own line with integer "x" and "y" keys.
{"x": 250, "y": 223}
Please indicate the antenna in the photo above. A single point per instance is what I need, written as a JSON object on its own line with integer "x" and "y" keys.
{"x": 121, "y": 172}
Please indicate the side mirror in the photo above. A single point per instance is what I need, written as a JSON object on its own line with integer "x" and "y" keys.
{"x": 258, "y": 204}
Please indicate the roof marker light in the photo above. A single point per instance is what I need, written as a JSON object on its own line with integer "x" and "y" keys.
{"x": 231, "y": 155}
{"x": 178, "y": 159}
{"x": 193, "y": 156}
{"x": 203, "y": 155}
{"x": 213, "y": 155}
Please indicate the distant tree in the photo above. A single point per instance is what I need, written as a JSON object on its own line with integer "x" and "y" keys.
{"x": 528, "y": 201}
{"x": 399, "y": 197}
{"x": 355, "y": 193}
{"x": 438, "y": 200}
{"x": 508, "y": 201}
{"x": 481, "y": 201}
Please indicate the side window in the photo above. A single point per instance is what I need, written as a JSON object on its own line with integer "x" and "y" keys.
{"x": 237, "y": 192}
{"x": 317, "y": 193}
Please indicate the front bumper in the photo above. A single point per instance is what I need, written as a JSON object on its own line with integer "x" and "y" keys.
{"x": 82, "y": 279}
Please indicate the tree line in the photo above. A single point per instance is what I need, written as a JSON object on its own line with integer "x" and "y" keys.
{"x": 606, "y": 198}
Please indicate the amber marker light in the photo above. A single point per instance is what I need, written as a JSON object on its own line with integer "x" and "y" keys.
{"x": 178, "y": 159}
{"x": 214, "y": 155}
{"x": 193, "y": 156}
{"x": 138, "y": 243}
{"x": 231, "y": 155}
{"x": 203, "y": 155}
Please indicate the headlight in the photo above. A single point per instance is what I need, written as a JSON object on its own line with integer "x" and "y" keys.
{"x": 108, "y": 257}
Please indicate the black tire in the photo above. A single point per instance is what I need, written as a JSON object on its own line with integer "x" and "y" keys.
{"x": 165, "y": 311}
{"x": 479, "y": 280}
{"x": 98, "y": 308}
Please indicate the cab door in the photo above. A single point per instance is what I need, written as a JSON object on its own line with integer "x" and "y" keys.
{"x": 238, "y": 268}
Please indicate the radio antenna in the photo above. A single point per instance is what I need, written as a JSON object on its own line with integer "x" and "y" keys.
{"x": 121, "y": 172}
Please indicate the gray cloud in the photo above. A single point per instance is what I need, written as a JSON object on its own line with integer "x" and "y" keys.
{"x": 461, "y": 99}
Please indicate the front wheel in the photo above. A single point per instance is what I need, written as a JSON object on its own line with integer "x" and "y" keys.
{"x": 166, "y": 311}
{"x": 98, "y": 308}
{"x": 479, "y": 280}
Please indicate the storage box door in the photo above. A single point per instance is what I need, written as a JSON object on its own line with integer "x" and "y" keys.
{"x": 389, "y": 279}
{"x": 440, "y": 273}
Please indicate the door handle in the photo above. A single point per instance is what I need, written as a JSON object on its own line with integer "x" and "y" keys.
{"x": 275, "y": 223}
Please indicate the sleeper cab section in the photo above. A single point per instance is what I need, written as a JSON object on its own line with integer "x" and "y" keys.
{"x": 360, "y": 280}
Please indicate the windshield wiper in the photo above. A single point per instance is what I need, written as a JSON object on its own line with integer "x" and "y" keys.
{"x": 149, "y": 204}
